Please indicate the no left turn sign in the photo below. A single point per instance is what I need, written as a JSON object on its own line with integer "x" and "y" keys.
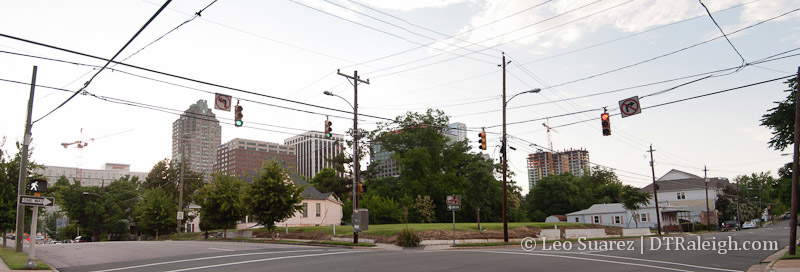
{"x": 222, "y": 102}
{"x": 630, "y": 106}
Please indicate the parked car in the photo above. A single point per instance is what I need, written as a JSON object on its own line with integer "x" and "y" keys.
{"x": 749, "y": 225}
{"x": 82, "y": 239}
{"x": 730, "y": 225}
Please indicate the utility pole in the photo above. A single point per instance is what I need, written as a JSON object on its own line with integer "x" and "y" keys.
{"x": 708, "y": 209}
{"x": 655, "y": 191}
{"x": 180, "y": 184}
{"x": 505, "y": 157}
{"x": 356, "y": 161}
{"x": 23, "y": 167}
{"x": 795, "y": 167}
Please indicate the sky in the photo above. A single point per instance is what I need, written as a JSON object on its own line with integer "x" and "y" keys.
{"x": 442, "y": 54}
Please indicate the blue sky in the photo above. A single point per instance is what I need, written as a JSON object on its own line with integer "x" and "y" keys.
{"x": 598, "y": 50}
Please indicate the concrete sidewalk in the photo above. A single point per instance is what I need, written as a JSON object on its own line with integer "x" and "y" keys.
{"x": 773, "y": 263}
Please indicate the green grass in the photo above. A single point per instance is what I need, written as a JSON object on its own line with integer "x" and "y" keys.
{"x": 337, "y": 243}
{"x": 792, "y": 257}
{"x": 549, "y": 241}
{"x": 486, "y": 244}
{"x": 17, "y": 261}
{"x": 388, "y": 230}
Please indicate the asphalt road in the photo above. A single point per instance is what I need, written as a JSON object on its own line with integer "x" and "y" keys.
{"x": 658, "y": 254}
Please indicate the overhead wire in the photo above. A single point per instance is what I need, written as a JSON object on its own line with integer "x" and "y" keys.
{"x": 109, "y": 61}
{"x": 723, "y": 34}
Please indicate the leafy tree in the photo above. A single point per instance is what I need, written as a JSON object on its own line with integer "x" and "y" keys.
{"x": 156, "y": 213}
{"x": 731, "y": 203}
{"x": 222, "y": 202}
{"x": 557, "y": 194}
{"x": 633, "y": 200}
{"x": 481, "y": 187}
{"x": 166, "y": 175}
{"x": 328, "y": 180}
{"x": 99, "y": 210}
{"x": 780, "y": 119}
{"x": 425, "y": 207}
{"x": 272, "y": 197}
{"x": 9, "y": 179}
{"x": 382, "y": 210}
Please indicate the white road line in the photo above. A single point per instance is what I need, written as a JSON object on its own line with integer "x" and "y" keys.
{"x": 220, "y": 249}
{"x": 596, "y": 251}
{"x": 205, "y": 258}
{"x": 585, "y": 259}
{"x": 647, "y": 260}
{"x": 264, "y": 260}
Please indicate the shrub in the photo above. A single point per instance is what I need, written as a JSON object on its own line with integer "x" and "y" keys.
{"x": 408, "y": 238}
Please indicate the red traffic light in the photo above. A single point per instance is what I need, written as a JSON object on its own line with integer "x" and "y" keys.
{"x": 604, "y": 116}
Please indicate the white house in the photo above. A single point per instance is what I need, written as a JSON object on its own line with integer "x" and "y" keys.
{"x": 318, "y": 209}
{"x": 614, "y": 214}
{"x": 678, "y": 188}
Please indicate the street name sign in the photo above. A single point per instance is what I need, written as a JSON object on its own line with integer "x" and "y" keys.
{"x": 36, "y": 201}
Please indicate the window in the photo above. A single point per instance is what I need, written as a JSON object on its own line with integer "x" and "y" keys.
{"x": 617, "y": 219}
{"x": 577, "y": 220}
{"x": 643, "y": 217}
{"x": 681, "y": 195}
{"x": 305, "y": 209}
{"x": 319, "y": 209}
{"x": 596, "y": 219}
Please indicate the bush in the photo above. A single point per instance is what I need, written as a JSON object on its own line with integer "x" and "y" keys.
{"x": 408, "y": 238}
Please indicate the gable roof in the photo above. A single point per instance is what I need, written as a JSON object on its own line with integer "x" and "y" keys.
{"x": 309, "y": 192}
{"x": 686, "y": 184}
{"x": 601, "y": 208}
{"x": 677, "y": 174}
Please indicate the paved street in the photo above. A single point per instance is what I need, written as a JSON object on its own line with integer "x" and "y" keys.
{"x": 237, "y": 256}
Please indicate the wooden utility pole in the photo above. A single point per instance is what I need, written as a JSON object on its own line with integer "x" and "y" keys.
{"x": 356, "y": 161}
{"x": 505, "y": 157}
{"x": 23, "y": 168}
{"x": 655, "y": 191}
{"x": 708, "y": 209}
{"x": 795, "y": 166}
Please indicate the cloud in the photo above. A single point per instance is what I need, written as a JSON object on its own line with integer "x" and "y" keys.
{"x": 493, "y": 26}
{"x": 409, "y": 5}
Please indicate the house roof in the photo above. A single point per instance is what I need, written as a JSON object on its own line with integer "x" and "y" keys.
{"x": 677, "y": 174}
{"x": 562, "y": 218}
{"x": 309, "y": 192}
{"x": 686, "y": 184}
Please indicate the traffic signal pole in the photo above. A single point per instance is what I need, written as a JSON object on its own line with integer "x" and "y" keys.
{"x": 356, "y": 161}
{"x": 23, "y": 167}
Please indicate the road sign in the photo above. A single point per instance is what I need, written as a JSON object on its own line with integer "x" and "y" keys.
{"x": 223, "y": 102}
{"x": 630, "y": 106}
{"x": 453, "y": 202}
{"x": 37, "y": 186}
{"x": 180, "y": 215}
{"x": 453, "y": 207}
{"x": 36, "y": 201}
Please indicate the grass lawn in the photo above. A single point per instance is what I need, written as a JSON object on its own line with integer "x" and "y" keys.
{"x": 791, "y": 257}
{"x": 389, "y": 230}
{"x": 17, "y": 261}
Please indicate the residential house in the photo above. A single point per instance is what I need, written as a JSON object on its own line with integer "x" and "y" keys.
{"x": 678, "y": 188}
{"x": 614, "y": 214}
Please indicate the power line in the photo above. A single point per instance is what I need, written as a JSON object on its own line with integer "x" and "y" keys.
{"x": 723, "y": 34}
{"x": 108, "y": 61}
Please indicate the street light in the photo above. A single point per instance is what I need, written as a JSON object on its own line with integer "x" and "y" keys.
{"x": 355, "y": 154}
{"x": 505, "y": 155}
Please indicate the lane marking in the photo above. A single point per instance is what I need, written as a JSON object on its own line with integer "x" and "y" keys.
{"x": 264, "y": 260}
{"x": 596, "y": 251}
{"x": 643, "y": 260}
{"x": 204, "y": 258}
{"x": 220, "y": 249}
{"x": 585, "y": 259}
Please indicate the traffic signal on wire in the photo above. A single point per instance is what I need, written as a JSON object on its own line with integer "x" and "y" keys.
{"x": 328, "y": 129}
{"x": 482, "y": 140}
{"x": 238, "y": 116}
{"x": 605, "y": 120}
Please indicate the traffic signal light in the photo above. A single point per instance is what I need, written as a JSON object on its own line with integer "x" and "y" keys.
{"x": 362, "y": 188}
{"x": 328, "y": 129}
{"x": 482, "y": 140}
{"x": 238, "y": 116}
{"x": 606, "y": 122}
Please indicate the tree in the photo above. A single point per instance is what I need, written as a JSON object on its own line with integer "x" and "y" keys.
{"x": 9, "y": 179}
{"x": 425, "y": 207}
{"x": 633, "y": 200}
{"x": 780, "y": 119}
{"x": 166, "y": 175}
{"x": 99, "y": 210}
{"x": 156, "y": 213}
{"x": 328, "y": 180}
{"x": 272, "y": 197}
{"x": 222, "y": 202}
{"x": 382, "y": 210}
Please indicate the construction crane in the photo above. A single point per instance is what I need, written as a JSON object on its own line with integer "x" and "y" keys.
{"x": 80, "y": 144}
{"x": 549, "y": 142}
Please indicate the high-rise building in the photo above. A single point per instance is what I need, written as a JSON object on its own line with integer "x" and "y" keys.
{"x": 314, "y": 151}
{"x": 456, "y": 131}
{"x": 195, "y": 138}
{"x": 243, "y": 156}
{"x": 543, "y": 163}
{"x": 90, "y": 177}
